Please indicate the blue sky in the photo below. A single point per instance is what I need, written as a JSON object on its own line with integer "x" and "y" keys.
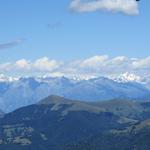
{"x": 79, "y": 35}
{"x": 74, "y": 37}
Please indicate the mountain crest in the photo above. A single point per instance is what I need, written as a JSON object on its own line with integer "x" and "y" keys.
{"x": 53, "y": 99}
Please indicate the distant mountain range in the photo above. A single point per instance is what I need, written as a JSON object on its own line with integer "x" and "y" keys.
{"x": 57, "y": 123}
{"x": 15, "y": 93}
{"x": 1, "y": 114}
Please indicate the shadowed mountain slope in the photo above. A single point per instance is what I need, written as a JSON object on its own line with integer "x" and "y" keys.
{"x": 1, "y": 113}
{"x": 58, "y": 123}
{"x": 55, "y": 122}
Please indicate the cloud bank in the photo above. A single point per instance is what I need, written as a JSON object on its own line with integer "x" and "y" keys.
{"x": 129, "y": 7}
{"x": 100, "y": 65}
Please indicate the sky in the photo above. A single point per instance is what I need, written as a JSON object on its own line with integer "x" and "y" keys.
{"x": 50, "y": 33}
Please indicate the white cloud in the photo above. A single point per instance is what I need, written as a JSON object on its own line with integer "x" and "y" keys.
{"x": 26, "y": 67}
{"x": 45, "y": 64}
{"x": 95, "y": 61}
{"x": 142, "y": 63}
{"x": 129, "y": 7}
{"x": 23, "y": 64}
{"x": 6, "y": 67}
{"x": 101, "y": 65}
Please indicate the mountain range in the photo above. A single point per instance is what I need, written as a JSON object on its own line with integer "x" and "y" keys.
{"x": 1, "y": 113}
{"x": 57, "y": 123}
{"x": 15, "y": 93}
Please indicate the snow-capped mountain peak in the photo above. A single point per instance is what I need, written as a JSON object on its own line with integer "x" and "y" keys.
{"x": 127, "y": 77}
{"x": 4, "y": 78}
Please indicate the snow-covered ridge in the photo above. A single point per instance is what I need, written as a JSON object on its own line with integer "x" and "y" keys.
{"x": 4, "y": 78}
{"x": 121, "y": 78}
{"x": 126, "y": 77}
